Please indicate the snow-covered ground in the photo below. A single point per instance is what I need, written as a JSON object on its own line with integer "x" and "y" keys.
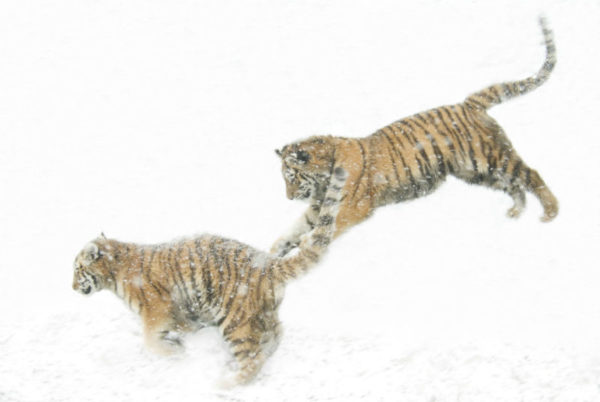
{"x": 150, "y": 120}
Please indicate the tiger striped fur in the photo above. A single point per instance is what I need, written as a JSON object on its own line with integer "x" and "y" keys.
{"x": 206, "y": 281}
{"x": 411, "y": 157}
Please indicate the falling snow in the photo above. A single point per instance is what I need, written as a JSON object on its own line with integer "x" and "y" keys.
{"x": 151, "y": 121}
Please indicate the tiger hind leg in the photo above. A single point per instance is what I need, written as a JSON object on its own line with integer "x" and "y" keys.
{"x": 515, "y": 178}
{"x": 536, "y": 185}
{"x": 251, "y": 345}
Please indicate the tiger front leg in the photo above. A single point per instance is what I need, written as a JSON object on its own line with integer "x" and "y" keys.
{"x": 291, "y": 240}
{"x": 161, "y": 333}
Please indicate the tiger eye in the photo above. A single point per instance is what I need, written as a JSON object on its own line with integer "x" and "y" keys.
{"x": 302, "y": 156}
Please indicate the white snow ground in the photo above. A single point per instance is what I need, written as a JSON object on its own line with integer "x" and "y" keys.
{"x": 150, "y": 120}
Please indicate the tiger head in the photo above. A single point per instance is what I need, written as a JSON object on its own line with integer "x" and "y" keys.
{"x": 91, "y": 267}
{"x": 306, "y": 166}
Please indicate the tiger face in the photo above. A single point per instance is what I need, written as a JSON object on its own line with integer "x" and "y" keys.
{"x": 306, "y": 167}
{"x": 89, "y": 270}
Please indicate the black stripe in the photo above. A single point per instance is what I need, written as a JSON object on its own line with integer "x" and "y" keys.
{"x": 207, "y": 272}
{"x": 233, "y": 278}
{"x": 425, "y": 174}
{"x": 476, "y": 103}
{"x": 141, "y": 288}
{"x": 418, "y": 116}
{"x": 413, "y": 182}
{"x": 145, "y": 300}
{"x": 477, "y": 133}
{"x": 362, "y": 171}
{"x": 194, "y": 267}
{"x": 259, "y": 294}
{"x": 516, "y": 170}
{"x": 422, "y": 151}
{"x": 222, "y": 289}
{"x": 469, "y": 139}
{"x": 516, "y": 88}
{"x": 487, "y": 96}
{"x": 452, "y": 131}
{"x": 188, "y": 299}
{"x": 400, "y": 136}
{"x": 391, "y": 145}
{"x": 223, "y": 262}
{"x": 491, "y": 162}
{"x": 528, "y": 177}
{"x": 173, "y": 266}
{"x": 447, "y": 140}
{"x": 148, "y": 277}
{"x": 395, "y": 134}
{"x": 505, "y": 164}
{"x": 438, "y": 154}
{"x": 496, "y": 94}
{"x": 477, "y": 123}
{"x": 409, "y": 134}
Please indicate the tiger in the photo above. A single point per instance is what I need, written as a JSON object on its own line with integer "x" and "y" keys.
{"x": 411, "y": 157}
{"x": 206, "y": 280}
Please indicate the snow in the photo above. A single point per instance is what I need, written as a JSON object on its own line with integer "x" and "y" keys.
{"x": 154, "y": 120}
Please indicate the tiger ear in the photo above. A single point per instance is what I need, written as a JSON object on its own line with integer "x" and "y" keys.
{"x": 102, "y": 236}
{"x": 91, "y": 253}
{"x": 279, "y": 152}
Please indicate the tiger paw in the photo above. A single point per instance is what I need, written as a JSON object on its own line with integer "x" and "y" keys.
{"x": 550, "y": 212}
{"x": 282, "y": 247}
{"x": 514, "y": 212}
{"x": 549, "y": 216}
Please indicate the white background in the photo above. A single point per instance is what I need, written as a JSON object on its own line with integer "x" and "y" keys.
{"x": 151, "y": 120}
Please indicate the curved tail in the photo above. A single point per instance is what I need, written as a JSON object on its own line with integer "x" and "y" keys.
{"x": 313, "y": 246}
{"x": 498, "y": 93}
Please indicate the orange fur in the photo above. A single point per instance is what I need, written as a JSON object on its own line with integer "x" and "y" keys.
{"x": 411, "y": 158}
{"x": 207, "y": 280}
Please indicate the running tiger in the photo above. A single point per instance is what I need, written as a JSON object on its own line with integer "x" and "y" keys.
{"x": 206, "y": 281}
{"x": 411, "y": 158}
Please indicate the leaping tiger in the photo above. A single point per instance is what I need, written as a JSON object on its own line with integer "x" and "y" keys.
{"x": 411, "y": 158}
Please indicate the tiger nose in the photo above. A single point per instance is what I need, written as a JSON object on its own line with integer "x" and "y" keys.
{"x": 289, "y": 193}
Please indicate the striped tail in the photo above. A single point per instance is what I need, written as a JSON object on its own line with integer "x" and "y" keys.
{"x": 498, "y": 93}
{"x": 315, "y": 244}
